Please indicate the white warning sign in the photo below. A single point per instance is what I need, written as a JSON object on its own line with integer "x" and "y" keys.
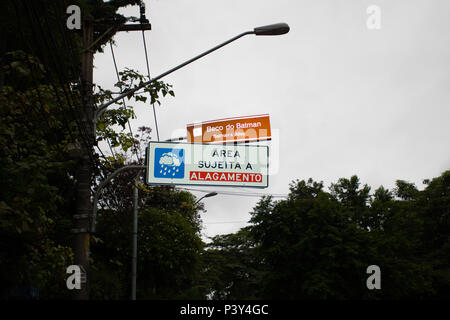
{"x": 207, "y": 164}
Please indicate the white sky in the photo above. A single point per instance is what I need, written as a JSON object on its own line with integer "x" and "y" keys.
{"x": 342, "y": 99}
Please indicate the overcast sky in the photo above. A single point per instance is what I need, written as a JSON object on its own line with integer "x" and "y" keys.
{"x": 343, "y": 99}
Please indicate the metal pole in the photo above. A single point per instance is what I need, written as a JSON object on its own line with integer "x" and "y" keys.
{"x": 198, "y": 200}
{"x": 135, "y": 228}
{"x": 135, "y": 217}
{"x": 102, "y": 185}
{"x": 102, "y": 107}
{"x": 270, "y": 30}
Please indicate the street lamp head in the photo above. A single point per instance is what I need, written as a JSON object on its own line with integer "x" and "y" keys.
{"x": 211, "y": 194}
{"x": 272, "y": 29}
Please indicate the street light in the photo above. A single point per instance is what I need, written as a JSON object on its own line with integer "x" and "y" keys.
{"x": 272, "y": 30}
{"x": 211, "y": 194}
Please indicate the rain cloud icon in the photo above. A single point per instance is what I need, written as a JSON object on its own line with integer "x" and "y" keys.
{"x": 169, "y": 163}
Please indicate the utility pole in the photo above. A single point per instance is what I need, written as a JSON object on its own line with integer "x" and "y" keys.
{"x": 82, "y": 217}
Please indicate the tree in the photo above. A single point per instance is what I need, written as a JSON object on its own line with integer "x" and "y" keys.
{"x": 405, "y": 190}
{"x": 433, "y": 205}
{"x": 36, "y": 193}
{"x": 318, "y": 245}
{"x": 231, "y": 268}
{"x": 40, "y": 128}
{"x": 169, "y": 243}
{"x": 311, "y": 245}
{"x": 169, "y": 247}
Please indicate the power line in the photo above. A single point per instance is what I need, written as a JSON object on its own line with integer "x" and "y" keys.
{"x": 243, "y": 194}
{"x": 44, "y": 46}
{"x": 110, "y": 148}
{"x": 124, "y": 103}
{"x": 62, "y": 77}
{"x": 226, "y": 222}
{"x": 148, "y": 73}
{"x": 68, "y": 92}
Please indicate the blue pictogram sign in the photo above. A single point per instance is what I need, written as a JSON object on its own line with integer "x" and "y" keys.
{"x": 169, "y": 163}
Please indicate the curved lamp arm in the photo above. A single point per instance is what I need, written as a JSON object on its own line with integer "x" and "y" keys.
{"x": 102, "y": 185}
{"x": 211, "y": 194}
{"x": 272, "y": 30}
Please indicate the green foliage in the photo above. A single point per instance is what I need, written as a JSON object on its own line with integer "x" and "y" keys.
{"x": 169, "y": 248}
{"x": 405, "y": 190}
{"x": 346, "y": 191}
{"x": 305, "y": 240}
{"x": 433, "y": 207}
{"x": 317, "y": 245}
{"x": 40, "y": 99}
{"x": 111, "y": 119}
{"x": 35, "y": 178}
{"x": 168, "y": 255}
{"x": 230, "y": 269}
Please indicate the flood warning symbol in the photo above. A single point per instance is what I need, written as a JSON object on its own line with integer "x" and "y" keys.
{"x": 169, "y": 163}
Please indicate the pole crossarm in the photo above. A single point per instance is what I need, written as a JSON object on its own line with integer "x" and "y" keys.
{"x": 103, "y": 107}
{"x": 102, "y": 185}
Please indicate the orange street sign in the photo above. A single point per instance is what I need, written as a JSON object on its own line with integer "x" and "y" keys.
{"x": 240, "y": 129}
